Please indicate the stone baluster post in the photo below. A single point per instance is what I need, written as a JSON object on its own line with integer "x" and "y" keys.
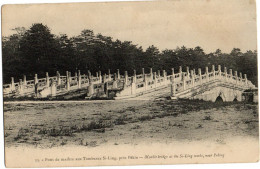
{"x": 36, "y": 84}
{"x": 24, "y": 80}
{"x": 173, "y": 75}
{"x": 69, "y": 77}
{"x": 109, "y": 75}
{"x": 58, "y": 78}
{"x": 180, "y": 69}
{"x": 192, "y": 78}
{"x": 115, "y": 81}
{"x": 245, "y": 76}
{"x": 47, "y": 80}
{"x": 143, "y": 73}
{"x": 79, "y": 79}
{"x": 151, "y": 73}
{"x": 183, "y": 82}
{"x": 164, "y": 77}
{"x": 104, "y": 78}
{"x": 159, "y": 73}
{"x": 100, "y": 76}
{"x": 133, "y": 88}
{"x": 126, "y": 79}
{"x": 173, "y": 89}
{"x": 236, "y": 77}
{"x": 89, "y": 74}
{"x": 225, "y": 71}
{"x": 118, "y": 74}
{"x": 134, "y": 77}
{"x": 53, "y": 89}
{"x": 155, "y": 79}
{"x": 188, "y": 72}
{"x": 21, "y": 87}
{"x": 200, "y": 78}
{"x": 67, "y": 80}
{"x": 12, "y": 84}
{"x": 219, "y": 71}
{"x": 241, "y": 77}
{"x": 90, "y": 89}
{"x": 213, "y": 71}
{"x": 207, "y": 74}
{"x": 231, "y": 75}
{"x": 145, "y": 82}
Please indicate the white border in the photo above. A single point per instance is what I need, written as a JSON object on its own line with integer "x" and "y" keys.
{"x": 193, "y": 166}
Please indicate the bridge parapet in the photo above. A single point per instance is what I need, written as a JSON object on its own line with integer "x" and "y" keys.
{"x": 124, "y": 85}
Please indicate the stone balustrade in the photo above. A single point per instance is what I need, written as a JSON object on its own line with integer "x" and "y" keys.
{"x": 125, "y": 86}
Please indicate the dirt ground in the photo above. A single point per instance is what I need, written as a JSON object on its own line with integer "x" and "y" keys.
{"x": 96, "y": 123}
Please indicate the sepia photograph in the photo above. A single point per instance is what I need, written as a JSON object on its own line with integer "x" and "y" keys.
{"x": 130, "y": 83}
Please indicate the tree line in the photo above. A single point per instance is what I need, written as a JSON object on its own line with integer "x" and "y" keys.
{"x": 37, "y": 50}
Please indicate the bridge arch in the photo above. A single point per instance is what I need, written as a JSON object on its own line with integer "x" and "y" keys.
{"x": 219, "y": 99}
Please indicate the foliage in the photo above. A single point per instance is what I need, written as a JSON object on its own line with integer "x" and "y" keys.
{"x": 37, "y": 50}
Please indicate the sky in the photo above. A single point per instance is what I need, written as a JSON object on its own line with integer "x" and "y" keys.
{"x": 211, "y": 24}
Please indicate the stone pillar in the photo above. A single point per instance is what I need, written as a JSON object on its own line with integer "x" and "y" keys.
{"x": 35, "y": 79}
{"x": 100, "y": 77}
{"x": 143, "y": 73}
{"x": 90, "y": 89}
{"x": 53, "y": 89}
{"x": 183, "y": 82}
{"x": 97, "y": 74}
{"x": 188, "y": 71}
{"x": 21, "y": 87}
{"x": 24, "y": 80}
{"x": 114, "y": 84}
{"x": 225, "y": 71}
{"x": 173, "y": 90}
{"x": 126, "y": 78}
{"x": 241, "y": 77}
{"x": 67, "y": 81}
{"x": 47, "y": 79}
{"x": 159, "y": 73}
{"x": 104, "y": 78}
{"x": 109, "y": 75}
{"x": 219, "y": 71}
{"x": 151, "y": 73}
{"x": 134, "y": 77}
{"x": 69, "y": 77}
{"x": 236, "y": 77}
{"x": 12, "y": 84}
{"x": 207, "y": 73}
{"x": 58, "y": 78}
{"x": 89, "y": 74}
{"x": 245, "y": 76}
{"x": 199, "y": 72}
{"x": 192, "y": 78}
{"x": 155, "y": 79}
{"x": 133, "y": 88}
{"x": 79, "y": 79}
{"x": 164, "y": 77}
{"x": 231, "y": 75}
{"x": 194, "y": 72}
{"x": 173, "y": 75}
{"x": 115, "y": 76}
{"x": 213, "y": 71}
{"x": 118, "y": 74}
{"x": 76, "y": 76}
{"x": 145, "y": 82}
{"x": 180, "y": 69}
{"x": 106, "y": 88}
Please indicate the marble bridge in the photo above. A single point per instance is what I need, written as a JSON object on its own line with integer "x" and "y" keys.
{"x": 211, "y": 86}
